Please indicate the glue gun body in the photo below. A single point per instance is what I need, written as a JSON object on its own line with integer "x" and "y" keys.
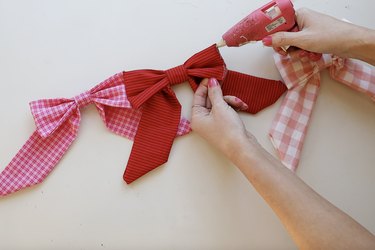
{"x": 277, "y": 15}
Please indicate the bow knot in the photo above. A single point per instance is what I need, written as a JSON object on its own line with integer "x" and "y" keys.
{"x": 177, "y": 75}
{"x": 338, "y": 64}
{"x": 83, "y": 99}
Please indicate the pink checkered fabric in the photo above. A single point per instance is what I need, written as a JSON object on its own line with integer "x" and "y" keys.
{"x": 57, "y": 122}
{"x": 302, "y": 78}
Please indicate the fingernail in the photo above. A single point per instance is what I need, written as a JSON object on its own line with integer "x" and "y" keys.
{"x": 238, "y": 100}
{"x": 244, "y": 107}
{"x": 267, "y": 41}
{"x": 212, "y": 82}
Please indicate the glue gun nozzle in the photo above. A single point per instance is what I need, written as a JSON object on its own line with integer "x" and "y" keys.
{"x": 222, "y": 43}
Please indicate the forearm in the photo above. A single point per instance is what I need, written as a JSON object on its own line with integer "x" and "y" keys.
{"x": 361, "y": 44}
{"x": 311, "y": 220}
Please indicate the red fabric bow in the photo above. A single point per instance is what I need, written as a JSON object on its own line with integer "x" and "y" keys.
{"x": 151, "y": 90}
{"x": 161, "y": 111}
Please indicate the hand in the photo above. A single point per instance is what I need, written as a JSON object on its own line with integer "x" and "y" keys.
{"x": 215, "y": 120}
{"x": 318, "y": 33}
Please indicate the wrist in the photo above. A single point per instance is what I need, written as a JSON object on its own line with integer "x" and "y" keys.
{"x": 247, "y": 149}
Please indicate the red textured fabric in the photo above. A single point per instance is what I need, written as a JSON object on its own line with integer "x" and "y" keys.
{"x": 161, "y": 110}
{"x": 152, "y": 144}
{"x": 151, "y": 90}
{"x": 256, "y": 92}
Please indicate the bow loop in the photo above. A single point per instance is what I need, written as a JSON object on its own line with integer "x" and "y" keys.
{"x": 177, "y": 75}
{"x": 49, "y": 114}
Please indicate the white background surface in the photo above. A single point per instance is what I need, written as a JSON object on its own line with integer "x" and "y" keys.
{"x": 198, "y": 200}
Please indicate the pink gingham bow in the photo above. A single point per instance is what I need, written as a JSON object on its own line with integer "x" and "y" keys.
{"x": 302, "y": 78}
{"x": 51, "y": 114}
{"x": 57, "y": 122}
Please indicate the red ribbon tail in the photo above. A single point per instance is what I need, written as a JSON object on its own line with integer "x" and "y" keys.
{"x": 257, "y": 93}
{"x": 155, "y": 135}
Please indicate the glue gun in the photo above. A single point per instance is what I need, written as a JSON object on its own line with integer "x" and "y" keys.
{"x": 277, "y": 15}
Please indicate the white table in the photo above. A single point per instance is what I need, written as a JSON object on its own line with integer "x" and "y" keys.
{"x": 198, "y": 200}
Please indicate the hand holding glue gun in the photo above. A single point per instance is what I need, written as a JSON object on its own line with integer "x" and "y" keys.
{"x": 278, "y": 25}
{"x": 321, "y": 33}
{"x": 276, "y": 16}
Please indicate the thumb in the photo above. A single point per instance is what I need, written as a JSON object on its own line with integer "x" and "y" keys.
{"x": 281, "y": 39}
{"x": 214, "y": 92}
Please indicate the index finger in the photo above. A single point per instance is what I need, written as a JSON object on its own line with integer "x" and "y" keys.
{"x": 200, "y": 96}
